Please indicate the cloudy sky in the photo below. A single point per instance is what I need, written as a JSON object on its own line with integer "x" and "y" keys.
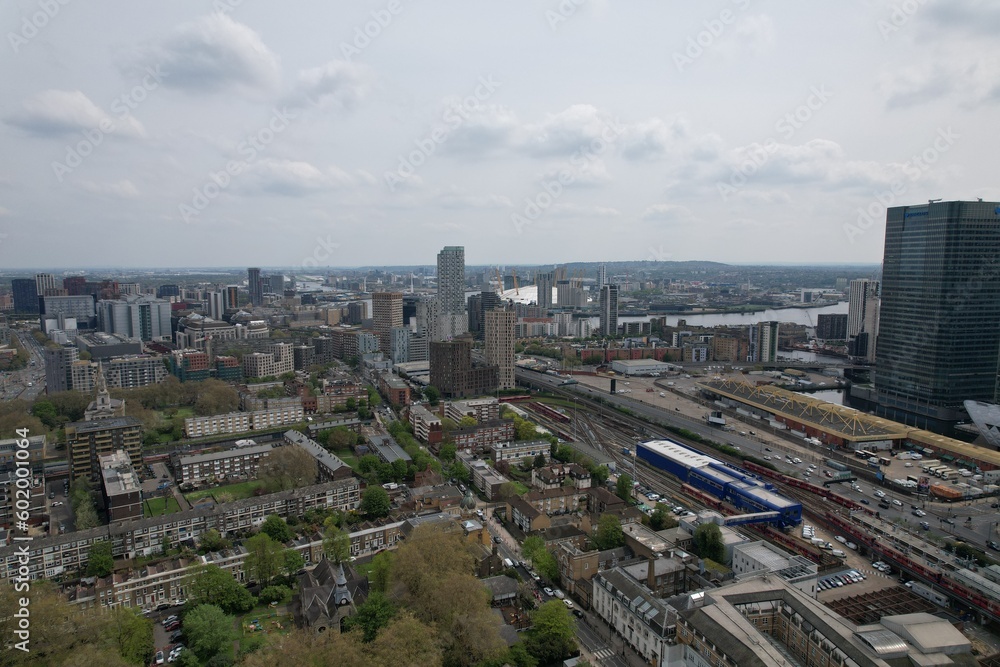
{"x": 314, "y": 133}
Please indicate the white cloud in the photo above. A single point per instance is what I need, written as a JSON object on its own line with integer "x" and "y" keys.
{"x": 667, "y": 213}
{"x": 61, "y": 112}
{"x": 294, "y": 178}
{"x": 211, "y": 54}
{"x": 457, "y": 200}
{"x": 338, "y": 83}
{"x": 968, "y": 82}
{"x": 579, "y": 127}
{"x": 591, "y": 174}
{"x": 582, "y": 211}
{"x": 123, "y": 189}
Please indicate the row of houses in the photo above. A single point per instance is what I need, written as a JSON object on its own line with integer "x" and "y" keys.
{"x": 241, "y": 422}
{"x": 48, "y": 557}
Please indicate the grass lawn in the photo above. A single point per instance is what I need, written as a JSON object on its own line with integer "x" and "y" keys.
{"x": 234, "y": 491}
{"x": 521, "y": 488}
{"x": 347, "y": 457}
{"x": 159, "y": 506}
{"x": 272, "y": 623}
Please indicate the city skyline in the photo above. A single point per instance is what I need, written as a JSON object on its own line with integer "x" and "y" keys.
{"x": 343, "y": 140}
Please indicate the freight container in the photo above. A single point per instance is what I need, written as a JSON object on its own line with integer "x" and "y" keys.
{"x": 945, "y": 492}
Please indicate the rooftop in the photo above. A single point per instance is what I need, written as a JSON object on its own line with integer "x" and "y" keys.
{"x": 215, "y": 456}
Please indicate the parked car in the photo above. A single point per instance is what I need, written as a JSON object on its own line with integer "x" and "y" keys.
{"x": 158, "y": 659}
{"x": 548, "y": 591}
{"x": 925, "y": 525}
{"x": 993, "y": 545}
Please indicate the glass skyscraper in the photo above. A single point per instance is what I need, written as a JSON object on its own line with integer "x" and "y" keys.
{"x": 939, "y": 320}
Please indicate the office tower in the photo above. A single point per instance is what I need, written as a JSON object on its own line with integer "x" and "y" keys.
{"x": 479, "y": 305}
{"x": 25, "y": 295}
{"x": 452, "y": 320}
{"x": 863, "y": 296}
{"x": 232, "y": 293}
{"x": 545, "y": 282}
{"x": 609, "y": 310}
{"x": 216, "y": 305}
{"x": 255, "y": 284}
{"x": 75, "y": 285}
{"x": 399, "y": 340}
{"x": 387, "y": 314}
{"x": 139, "y": 317}
{"x": 499, "y": 326}
{"x": 831, "y": 326}
{"x": 602, "y": 275}
{"x": 937, "y": 331}
{"x": 275, "y": 284}
{"x": 54, "y": 308}
{"x": 44, "y": 281}
{"x": 763, "y": 342}
{"x": 59, "y": 368}
{"x": 357, "y": 312}
{"x": 452, "y": 371}
{"x": 165, "y": 291}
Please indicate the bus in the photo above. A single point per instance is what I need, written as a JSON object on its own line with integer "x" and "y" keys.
{"x": 912, "y": 478}
{"x": 862, "y": 454}
{"x": 883, "y": 461}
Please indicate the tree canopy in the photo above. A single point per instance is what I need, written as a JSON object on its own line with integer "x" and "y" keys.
{"x": 609, "y": 533}
{"x": 375, "y": 502}
{"x": 277, "y": 529}
{"x": 288, "y": 467}
{"x": 708, "y": 542}
{"x": 623, "y": 487}
{"x": 213, "y": 585}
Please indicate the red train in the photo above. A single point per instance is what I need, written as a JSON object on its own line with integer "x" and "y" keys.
{"x": 548, "y": 412}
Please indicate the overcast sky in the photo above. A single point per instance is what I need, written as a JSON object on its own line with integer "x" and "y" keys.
{"x": 320, "y": 133}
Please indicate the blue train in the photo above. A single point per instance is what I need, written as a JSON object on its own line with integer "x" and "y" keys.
{"x": 737, "y": 487}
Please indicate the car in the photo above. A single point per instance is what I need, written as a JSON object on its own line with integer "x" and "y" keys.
{"x": 177, "y": 634}
{"x": 767, "y": 458}
{"x": 993, "y": 545}
{"x": 548, "y": 591}
{"x": 767, "y": 449}
{"x": 164, "y": 476}
{"x": 163, "y": 606}
{"x": 907, "y": 465}
{"x": 173, "y": 625}
{"x": 535, "y": 576}
{"x": 896, "y": 503}
{"x": 919, "y": 512}
{"x": 884, "y": 505}
{"x": 878, "y": 493}
{"x": 865, "y": 501}
{"x": 925, "y": 525}
{"x": 807, "y": 473}
{"x": 568, "y": 603}
{"x": 852, "y": 546}
{"x": 169, "y": 619}
{"x": 949, "y": 521}
{"x": 914, "y": 507}
{"x": 560, "y": 594}
{"x": 57, "y": 503}
{"x": 841, "y": 539}
{"x": 578, "y": 613}
{"x": 52, "y": 494}
{"x": 158, "y": 659}
{"x": 496, "y": 539}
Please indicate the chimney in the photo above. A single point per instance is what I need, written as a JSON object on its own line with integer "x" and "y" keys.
{"x": 651, "y": 573}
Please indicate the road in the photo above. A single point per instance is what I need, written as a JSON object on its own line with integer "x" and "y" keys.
{"x": 15, "y": 384}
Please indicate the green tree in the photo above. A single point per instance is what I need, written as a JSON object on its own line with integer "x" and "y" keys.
{"x": 398, "y": 470}
{"x": 336, "y": 542}
{"x": 130, "y": 633}
{"x": 212, "y": 540}
{"x": 599, "y": 475}
{"x": 213, "y": 585}
{"x": 293, "y": 562}
{"x": 368, "y": 464}
{"x": 374, "y": 502}
{"x": 277, "y": 529}
{"x": 553, "y": 634}
{"x": 275, "y": 594}
{"x": 459, "y": 471}
{"x": 100, "y": 562}
{"x": 264, "y": 558}
{"x": 609, "y": 533}
{"x": 524, "y": 430}
{"x": 209, "y": 631}
{"x": 660, "y": 519}
{"x": 380, "y": 572}
{"x": 546, "y": 565}
{"x": 341, "y": 438}
{"x": 467, "y": 422}
{"x": 374, "y": 614}
{"x": 45, "y": 411}
{"x": 532, "y": 545}
{"x": 708, "y": 542}
{"x": 432, "y": 394}
{"x": 539, "y": 461}
{"x": 288, "y": 467}
{"x": 623, "y": 488}
{"x": 447, "y": 452}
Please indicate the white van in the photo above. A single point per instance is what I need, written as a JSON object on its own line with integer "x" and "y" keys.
{"x": 838, "y": 553}
{"x": 508, "y": 563}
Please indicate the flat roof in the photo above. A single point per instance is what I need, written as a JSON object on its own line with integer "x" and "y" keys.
{"x": 678, "y": 453}
{"x": 229, "y": 453}
{"x": 105, "y": 424}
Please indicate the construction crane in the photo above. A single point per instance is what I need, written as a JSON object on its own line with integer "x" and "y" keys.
{"x": 499, "y": 281}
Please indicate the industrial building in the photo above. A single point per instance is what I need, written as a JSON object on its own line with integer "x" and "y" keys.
{"x": 737, "y": 487}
